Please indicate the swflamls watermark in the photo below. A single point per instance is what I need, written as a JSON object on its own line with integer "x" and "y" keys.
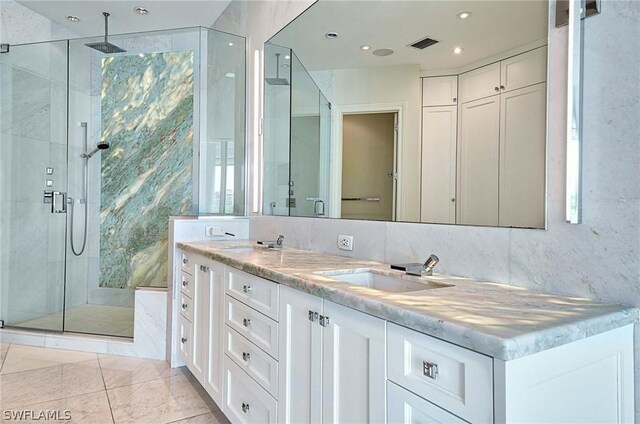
{"x": 34, "y": 415}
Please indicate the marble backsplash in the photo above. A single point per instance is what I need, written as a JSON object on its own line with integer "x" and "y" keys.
{"x": 147, "y": 115}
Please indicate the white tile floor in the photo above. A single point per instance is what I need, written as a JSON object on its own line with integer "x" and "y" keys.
{"x": 92, "y": 319}
{"x": 96, "y": 388}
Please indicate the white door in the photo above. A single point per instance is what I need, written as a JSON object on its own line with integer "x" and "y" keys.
{"x": 524, "y": 70}
{"x": 480, "y": 83}
{"x": 353, "y": 367}
{"x": 439, "y": 130}
{"x": 200, "y": 323}
{"x": 440, "y": 91}
{"x": 212, "y": 275}
{"x": 300, "y": 367}
{"x": 478, "y": 155}
{"x": 522, "y": 156}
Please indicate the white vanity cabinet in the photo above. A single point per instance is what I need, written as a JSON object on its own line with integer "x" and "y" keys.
{"x": 333, "y": 362}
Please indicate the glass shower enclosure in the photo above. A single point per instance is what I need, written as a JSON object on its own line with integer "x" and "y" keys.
{"x": 96, "y": 152}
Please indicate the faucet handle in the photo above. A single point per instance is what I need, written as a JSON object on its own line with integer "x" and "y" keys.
{"x": 429, "y": 264}
{"x": 280, "y": 240}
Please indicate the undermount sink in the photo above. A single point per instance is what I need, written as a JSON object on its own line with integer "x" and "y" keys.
{"x": 379, "y": 281}
{"x": 245, "y": 249}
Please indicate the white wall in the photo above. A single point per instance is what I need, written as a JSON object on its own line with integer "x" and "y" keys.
{"x": 599, "y": 258}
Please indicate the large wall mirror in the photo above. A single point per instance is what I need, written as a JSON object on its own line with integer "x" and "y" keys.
{"x": 414, "y": 111}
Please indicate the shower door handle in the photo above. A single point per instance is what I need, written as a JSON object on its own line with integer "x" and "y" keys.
{"x": 58, "y": 202}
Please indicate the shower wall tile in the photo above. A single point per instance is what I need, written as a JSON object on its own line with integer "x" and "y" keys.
{"x": 146, "y": 174}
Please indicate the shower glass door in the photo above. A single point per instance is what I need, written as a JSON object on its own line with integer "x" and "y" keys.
{"x": 33, "y": 177}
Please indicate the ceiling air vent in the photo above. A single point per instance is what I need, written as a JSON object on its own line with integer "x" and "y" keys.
{"x": 424, "y": 43}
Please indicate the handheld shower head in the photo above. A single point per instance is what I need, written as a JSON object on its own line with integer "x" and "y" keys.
{"x": 102, "y": 145}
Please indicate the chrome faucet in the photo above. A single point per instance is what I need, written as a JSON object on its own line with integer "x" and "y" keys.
{"x": 273, "y": 244}
{"x": 424, "y": 269}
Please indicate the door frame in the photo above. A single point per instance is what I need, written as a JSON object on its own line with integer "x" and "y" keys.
{"x": 335, "y": 173}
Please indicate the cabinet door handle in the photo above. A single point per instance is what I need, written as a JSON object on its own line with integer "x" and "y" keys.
{"x": 184, "y": 283}
{"x": 184, "y": 306}
{"x": 247, "y": 288}
{"x": 246, "y": 322}
{"x": 455, "y": 99}
{"x": 313, "y": 316}
{"x": 497, "y": 89}
{"x": 430, "y": 369}
{"x": 185, "y": 261}
{"x": 324, "y": 321}
{"x": 502, "y": 87}
{"x": 183, "y": 340}
{"x": 246, "y": 356}
{"x": 245, "y": 408}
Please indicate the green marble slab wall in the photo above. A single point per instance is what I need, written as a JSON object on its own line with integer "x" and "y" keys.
{"x": 147, "y": 117}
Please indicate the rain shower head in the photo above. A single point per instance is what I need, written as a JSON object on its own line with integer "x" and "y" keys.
{"x": 277, "y": 80}
{"x": 105, "y": 46}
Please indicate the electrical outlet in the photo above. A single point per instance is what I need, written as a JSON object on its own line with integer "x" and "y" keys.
{"x": 214, "y": 231}
{"x": 345, "y": 242}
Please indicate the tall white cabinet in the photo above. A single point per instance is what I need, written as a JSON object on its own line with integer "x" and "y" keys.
{"x": 484, "y": 144}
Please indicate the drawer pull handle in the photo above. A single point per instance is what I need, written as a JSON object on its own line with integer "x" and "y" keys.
{"x": 246, "y": 322}
{"x": 185, "y": 261}
{"x": 497, "y": 89}
{"x": 430, "y": 370}
{"x": 183, "y": 340}
{"x": 247, "y": 289}
{"x": 184, "y": 306}
{"x": 246, "y": 356}
{"x": 204, "y": 268}
{"x": 184, "y": 283}
{"x": 502, "y": 87}
{"x": 245, "y": 407}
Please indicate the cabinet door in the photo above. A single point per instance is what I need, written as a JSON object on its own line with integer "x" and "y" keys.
{"x": 439, "y": 130}
{"x": 478, "y": 154}
{"x": 480, "y": 83}
{"x": 522, "y": 156}
{"x": 185, "y": 340}
{"x": 524, "y": 70}
{"x": 300, "y": 364}
{"x": 353, "y": 367}
{"x": 213, "y": 313}
{"x": 199, "y": 327}
{"x": 440, "y": 91}
{"x": 407, "y": 408}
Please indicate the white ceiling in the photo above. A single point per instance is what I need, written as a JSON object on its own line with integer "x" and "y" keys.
{"x": 164, "y": 14}
{"x": 494, "y": 27}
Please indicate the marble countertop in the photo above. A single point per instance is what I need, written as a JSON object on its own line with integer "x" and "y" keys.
{"x": 502, "y": 321}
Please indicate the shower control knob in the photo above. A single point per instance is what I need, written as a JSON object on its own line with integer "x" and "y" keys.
{"x": 246, "y": 322}
{"x": 247, "y": 289}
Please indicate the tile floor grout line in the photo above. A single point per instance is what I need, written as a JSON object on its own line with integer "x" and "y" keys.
{"x": 43, "y": 368}
{"x": 188, "y": 418}
{"x": 5, "y": 357}
{"x": 106, "y": 392}
{"x": 54, "y": 400}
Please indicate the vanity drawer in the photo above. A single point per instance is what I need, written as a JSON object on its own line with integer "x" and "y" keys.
{"x": 258, "y": 328}
{"x": 260, "y": 366}
{"x": 184, "y": 342}
{"x": 186, "y": 284}
{"x": 403, "y": 407}
{"x": 260, "y": 294}
{"x": 244, "y": 400}
{"x": 454, "y": 378}
{"x": 186, "y": 262}
{"x": 186, "y": 307}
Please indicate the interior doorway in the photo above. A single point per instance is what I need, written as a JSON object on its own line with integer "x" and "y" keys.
{"x": 369, "y": 171}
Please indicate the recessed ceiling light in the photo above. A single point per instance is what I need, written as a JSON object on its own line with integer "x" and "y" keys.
{"x": 287, "y": 57}
{"x": 141, "y": 10}
{"x": 457, "y": 50}
{"x": 141, "y": 54}
{"x": 230, "y": 44}
{"x": 463, "y": 15}
{"x": 331, "y": 35}
{"x": 365, "y": 48}
{"x": 72, "y": 18}
{"x": 383, "y": 52}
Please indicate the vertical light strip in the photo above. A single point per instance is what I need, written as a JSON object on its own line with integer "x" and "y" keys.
{"x": 256, "y": 131}
{"x": 574, "y": 73}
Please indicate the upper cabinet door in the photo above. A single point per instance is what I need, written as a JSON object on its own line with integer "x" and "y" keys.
{"x": 440, "y": 91}
{"x": 524, "y": 70}
{"x": 480, "y": 83}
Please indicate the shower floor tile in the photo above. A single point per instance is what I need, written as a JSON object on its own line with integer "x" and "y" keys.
{"x": 92, "y": 319}
{"x": 97, "y": 389}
